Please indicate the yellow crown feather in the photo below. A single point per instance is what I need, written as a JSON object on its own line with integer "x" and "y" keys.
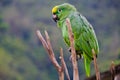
{"x": 54, "y": 10}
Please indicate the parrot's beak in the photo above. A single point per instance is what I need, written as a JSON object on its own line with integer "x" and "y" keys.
{"x": 55, "y": 18}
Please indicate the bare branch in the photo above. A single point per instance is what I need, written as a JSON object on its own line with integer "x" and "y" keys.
{"x": 63, "y": 64}
{"x": 73, "y": 53}
{"x": 51, "y": 53}
{"x": 47, "y": 45}
{"x": 42, "y": 39}
{"x": 95, "y": 65}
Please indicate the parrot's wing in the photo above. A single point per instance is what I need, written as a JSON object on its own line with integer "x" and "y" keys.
{"x": 84, "y": 35}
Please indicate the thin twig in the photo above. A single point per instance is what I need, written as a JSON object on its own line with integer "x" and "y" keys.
{"x": 42, "y": 39}
{"x": 96, "y": 66}
{"x": 73, "y": 53}
{"x": 63, "y": 64}
{"x": 51, "y": 53}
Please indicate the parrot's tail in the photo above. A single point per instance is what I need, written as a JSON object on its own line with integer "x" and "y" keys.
{"x": 87, "y": 63}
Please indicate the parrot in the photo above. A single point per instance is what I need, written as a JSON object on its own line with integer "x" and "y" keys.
{"x": 84, "y": 35}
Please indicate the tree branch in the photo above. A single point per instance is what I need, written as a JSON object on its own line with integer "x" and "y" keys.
{"x": 51, "y": 53}
{"x": 73, "y": 53}
{"x": 96, "y": 66}
{"x": 63, "y": 64}
{"x": 47, "y": 45}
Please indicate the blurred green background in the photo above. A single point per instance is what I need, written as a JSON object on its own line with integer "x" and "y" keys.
{"x": 22, "y": 56}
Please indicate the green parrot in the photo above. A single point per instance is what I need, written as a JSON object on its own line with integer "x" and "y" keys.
{"x": 84, "y": 35}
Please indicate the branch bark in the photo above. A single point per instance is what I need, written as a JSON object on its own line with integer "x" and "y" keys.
{"x": 96, "y": 66}
{"x": 47, "y": 45}
{"x": 73, "y": 53}
{"x": 63, "y": 64}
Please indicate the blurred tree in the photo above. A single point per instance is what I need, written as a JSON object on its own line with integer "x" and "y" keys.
{"x": 3, "y": 26}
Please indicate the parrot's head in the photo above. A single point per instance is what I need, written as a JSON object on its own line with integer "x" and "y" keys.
{"x": 61, "y": 12}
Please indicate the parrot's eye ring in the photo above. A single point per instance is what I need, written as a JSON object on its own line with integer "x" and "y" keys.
{"x": 59, "y": 10}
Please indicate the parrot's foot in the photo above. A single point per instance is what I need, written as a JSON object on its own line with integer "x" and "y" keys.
{"x": 78, "y": 54}
{"x": 77, "y": 57}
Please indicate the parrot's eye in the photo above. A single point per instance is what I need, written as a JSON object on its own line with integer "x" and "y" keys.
{"x": 59, "y": 10}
